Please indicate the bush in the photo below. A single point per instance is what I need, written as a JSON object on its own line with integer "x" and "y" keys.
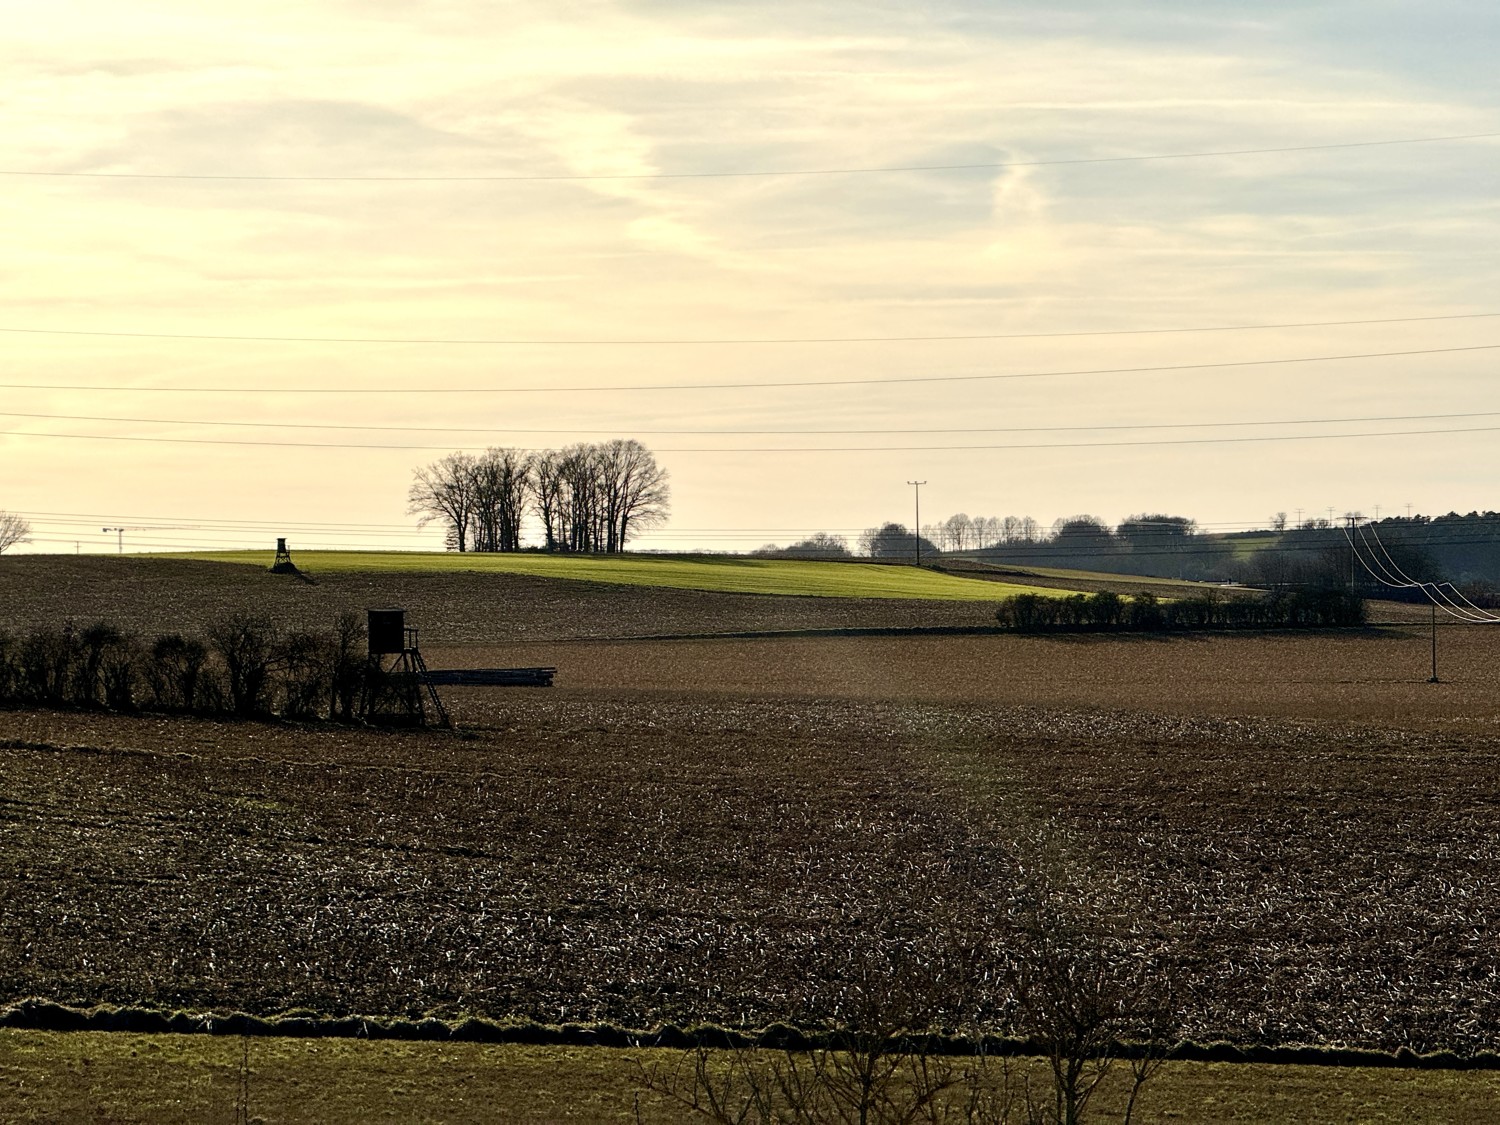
{"x": 1073, "y": 611}
{"x": 120, "y": 673}
{"x": 9, "y": 668}
{"x": 93, "y": 642}
{"x": 1028, "y": 612}
{"x": 306, "y": 662}
{"x": 1105, "y": 609}
{"x": 349, "y": 666}
{"x": 174, "y": 671}
{"x": 1143, "y": 612}
{"x": 245, "y": 645}
{"x": 46, "y": 663}
{"x": 247, "y": 669}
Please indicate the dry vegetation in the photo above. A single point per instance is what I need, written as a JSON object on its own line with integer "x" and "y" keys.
{"x": 714, "y": 830}
{"x": 187, "y": 1080}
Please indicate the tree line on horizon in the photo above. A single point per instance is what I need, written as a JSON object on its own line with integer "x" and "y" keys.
{"x": 587, "y": 497}
{"x": 1316, "y": 552}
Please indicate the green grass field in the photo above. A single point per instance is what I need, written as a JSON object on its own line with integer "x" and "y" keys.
{"x": 722, "y": 574}
{"x": 1140, "y": 580}
{"x": 102, "y": 1076}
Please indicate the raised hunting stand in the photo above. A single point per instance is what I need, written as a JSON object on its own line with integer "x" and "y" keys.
{"x": 283, "y": 563}
{"x": 396, "y": 688}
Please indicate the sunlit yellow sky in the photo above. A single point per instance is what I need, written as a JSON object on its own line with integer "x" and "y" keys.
{"x": 575, "y": 214}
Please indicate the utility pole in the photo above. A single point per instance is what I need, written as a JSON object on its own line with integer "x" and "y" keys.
{"x": 120, "y": 531}
{"x": 1434, "y": 678}
{"x": 917, "y": 530}
{"x": 1351, "y": 552}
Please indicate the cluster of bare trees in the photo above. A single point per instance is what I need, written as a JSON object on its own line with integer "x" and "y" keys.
{"x": 962, "y": 532}
{"x": 819, "y": 545}
{"x": 586, "y": 497}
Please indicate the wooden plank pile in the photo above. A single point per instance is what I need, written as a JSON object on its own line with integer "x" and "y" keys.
{"x": 491, "y": 677}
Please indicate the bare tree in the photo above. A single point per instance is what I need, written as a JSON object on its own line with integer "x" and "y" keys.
{"x": 546, "y": 495}
{"x": 444, "y": 491}
{"x": 587, "y": 497}
{"x": 595, "y": 497}
{"x": 633, "y": 490}
{"x": 877, "y": 1066}
{"x": 502, "y": 485}
{"x": 958, "y": 532}
{"x": 1017, "y": 529}
{"x": 13, "y": 530}
{"x": 579, "y": 507}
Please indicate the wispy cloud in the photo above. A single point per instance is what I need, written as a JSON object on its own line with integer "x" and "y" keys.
{"x": 635, "y": 90}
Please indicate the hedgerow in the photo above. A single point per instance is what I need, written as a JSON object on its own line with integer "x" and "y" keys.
{"x": 1106, "y": 611}
{"x": 246, "y": 667}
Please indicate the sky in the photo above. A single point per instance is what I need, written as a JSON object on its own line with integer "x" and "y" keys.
{"x": 265, "y": 260}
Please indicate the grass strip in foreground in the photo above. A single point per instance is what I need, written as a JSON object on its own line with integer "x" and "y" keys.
{"x": 82, "y": 1076}
{"x": 720, "y": 574}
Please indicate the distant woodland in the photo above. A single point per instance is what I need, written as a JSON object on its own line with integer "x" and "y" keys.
{"x": 1464, "y": 549}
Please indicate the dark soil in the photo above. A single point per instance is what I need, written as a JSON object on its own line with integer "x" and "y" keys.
{"x": 733, "y": 830}
{"x": 678, "y": 860}
{"x": 153, "y": 596}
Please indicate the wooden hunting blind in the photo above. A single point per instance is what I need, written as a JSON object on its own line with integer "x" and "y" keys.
{"x": 283, "y": 563}
{"x": 399, "y": 688}
{"x": 387, "y": 629}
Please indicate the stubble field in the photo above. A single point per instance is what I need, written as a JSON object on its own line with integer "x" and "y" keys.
{"x": 591, "y": 859}
{"x": 716, "y": 830}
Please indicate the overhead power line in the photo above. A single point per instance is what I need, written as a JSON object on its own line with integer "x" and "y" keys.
{"x": 497, "y": 430}
{"x": 757, "y": 173}
{"x": 155, "y": 439}
{"x": 216, "y": 523}
{"x": 1395, "y": 578}
{"x": 736, "y": 341}
{"x": 770, "y": 385}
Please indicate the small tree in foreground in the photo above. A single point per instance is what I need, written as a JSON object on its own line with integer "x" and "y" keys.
{"x": 1080, "y": 995}
{"x": 878, "y": 1064}
{"x": 1059, "y": 960}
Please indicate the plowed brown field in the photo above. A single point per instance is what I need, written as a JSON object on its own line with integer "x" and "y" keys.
{"x": 688, "y": 830}
{"x": 1374, "y": 675}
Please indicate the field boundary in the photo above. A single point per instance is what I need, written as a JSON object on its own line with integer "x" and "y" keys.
{"x": 36, "y": 1014}
{"x": 1374, "y": 630}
